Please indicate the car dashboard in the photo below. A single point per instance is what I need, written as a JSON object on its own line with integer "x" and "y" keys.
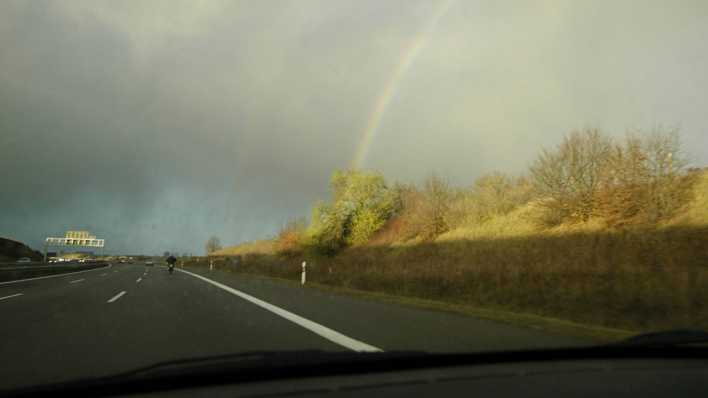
{"x": 602, "y": 378}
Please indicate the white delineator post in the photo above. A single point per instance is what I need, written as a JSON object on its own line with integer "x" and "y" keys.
{"x": 211, "y": 265}
{"x": 303, "y": 276}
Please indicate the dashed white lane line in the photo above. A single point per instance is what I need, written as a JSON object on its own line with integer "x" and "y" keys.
{"x": 322, "y": 331}
{"x": 116, "y": 297}
{"x": 138, "y": 281}
{"x": 11, "y": 296}
{"x": 52, "y": 276}
{"x": 77, "y": 281}
{"x": 104, "y": 274}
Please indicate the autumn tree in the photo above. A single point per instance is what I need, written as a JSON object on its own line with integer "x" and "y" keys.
{"x": 212, "y": 245}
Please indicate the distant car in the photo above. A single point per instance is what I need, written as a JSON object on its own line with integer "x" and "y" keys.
{"x": 24, "y": 260}
{"x": 149, "y": 263}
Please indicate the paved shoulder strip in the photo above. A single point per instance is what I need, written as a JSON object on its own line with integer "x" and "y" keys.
{"x": 54, "y": 276}
{"x": 314, "y": 327}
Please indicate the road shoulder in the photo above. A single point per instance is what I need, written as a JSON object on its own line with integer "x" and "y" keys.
{"x": 531, "y": 322}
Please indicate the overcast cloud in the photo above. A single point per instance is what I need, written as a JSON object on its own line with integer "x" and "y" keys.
{"x": 156, "y": 124}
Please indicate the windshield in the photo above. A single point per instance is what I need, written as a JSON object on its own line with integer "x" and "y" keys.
{"x": 189, "y": 179}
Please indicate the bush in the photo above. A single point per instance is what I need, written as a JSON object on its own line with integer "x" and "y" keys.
{"x": 430, "y": 208}
{"x": 496, "y": 194}
{"x": 291, "y": 237}
{"x": 362, "y": 203}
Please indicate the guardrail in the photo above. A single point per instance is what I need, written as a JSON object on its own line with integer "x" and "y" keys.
{"x": 16, "y": 264}
{"x": 14, "y": 271}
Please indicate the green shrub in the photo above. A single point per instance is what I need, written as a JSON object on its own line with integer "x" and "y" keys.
{"x": 362, "y": 203}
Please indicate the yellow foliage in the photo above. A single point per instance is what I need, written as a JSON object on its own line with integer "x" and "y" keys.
{"x": 254, "y": 247}
{"x": 696, "y": 211}
{"x": 519, "y": 222}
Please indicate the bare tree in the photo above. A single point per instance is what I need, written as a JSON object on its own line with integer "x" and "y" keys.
{"x": 569, "y": 176}
{"x": 431, "y": 217}
{"x": 212, "y": 244}
{"x": 645, "y": 179}
{"x": 666, "y": 165}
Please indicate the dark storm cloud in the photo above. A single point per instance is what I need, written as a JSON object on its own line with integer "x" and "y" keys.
{"x": 157, "y": 124}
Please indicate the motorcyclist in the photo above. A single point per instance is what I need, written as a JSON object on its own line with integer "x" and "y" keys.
{"x": 171, "y": 260}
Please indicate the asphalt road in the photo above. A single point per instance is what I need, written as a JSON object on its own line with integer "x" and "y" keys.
{"x": 114, "y": 319}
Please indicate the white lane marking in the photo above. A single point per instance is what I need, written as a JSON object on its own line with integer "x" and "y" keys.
{"x": 116, "y": 297}
{"x": 11, "y": 296}
{"x": 316, "y": 328}
{"x": 52, "y": 276}
{"x": 104, "y": 274}
{"x": 76, "y": 281}
{"x": 139, "y": 279}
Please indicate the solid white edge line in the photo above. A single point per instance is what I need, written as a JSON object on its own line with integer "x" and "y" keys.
{"x": 76, "y": 281}
{"x": 54, "y": 276}
{"x": 323, "y": 331}
{"x": 116, "y": 297}
{"x": 11, "y": 296}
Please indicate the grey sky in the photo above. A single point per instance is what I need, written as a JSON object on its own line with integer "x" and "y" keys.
{"x": 155, "y": 124}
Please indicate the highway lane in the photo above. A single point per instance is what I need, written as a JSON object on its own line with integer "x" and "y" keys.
{"x": 58, "y": 330}
{"x": 115, "y": 319}
{"x": 11, "y": 274}
{"x": 43, "y": 285}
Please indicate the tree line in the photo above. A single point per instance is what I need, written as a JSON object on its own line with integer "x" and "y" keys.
{"x": 638, "y": 180}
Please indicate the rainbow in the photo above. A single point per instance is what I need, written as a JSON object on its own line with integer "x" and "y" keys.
{"x": 389, "y": 91}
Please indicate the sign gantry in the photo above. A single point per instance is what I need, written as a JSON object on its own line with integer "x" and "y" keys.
{"x": 74, "y": 239}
